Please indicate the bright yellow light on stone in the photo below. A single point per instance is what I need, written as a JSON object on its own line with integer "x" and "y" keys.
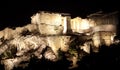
{"x": 84, "y": 24}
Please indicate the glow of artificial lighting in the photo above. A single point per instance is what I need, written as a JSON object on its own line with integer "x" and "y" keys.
{"x": 65, "y": 25}
{"x": 112, "y": 38}
{"x": 87, "y": 33}
{"x": 85, "y": 24}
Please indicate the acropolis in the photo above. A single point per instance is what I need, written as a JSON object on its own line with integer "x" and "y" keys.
{"x": 52, "y": 33}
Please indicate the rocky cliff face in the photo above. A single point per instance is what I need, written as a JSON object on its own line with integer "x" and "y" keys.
{"x": 47, "y": 38}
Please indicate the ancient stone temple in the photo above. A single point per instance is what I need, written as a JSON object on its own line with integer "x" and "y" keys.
{"x": 50, "y": 34}
{"x": 104, "y": 29}
{"x": 101, "y": 27}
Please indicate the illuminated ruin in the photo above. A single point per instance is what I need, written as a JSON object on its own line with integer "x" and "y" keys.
{"x": 57, "y": 32}
{"x": 101, "y": 26}
{"x": 104, "y": 30}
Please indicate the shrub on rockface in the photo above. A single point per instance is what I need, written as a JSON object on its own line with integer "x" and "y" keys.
{"x": 9, "y": 53}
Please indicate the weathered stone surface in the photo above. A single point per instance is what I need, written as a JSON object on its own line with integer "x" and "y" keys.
{"x": 11, "y": 63}
{"x": 53, "y": 23}
{"x": 107, "y": 27}
{"x": 3, "y": 49}
{"x": 7, "y": 33}
{"x": 35, "y": 45}
{"x": 47, "y": 18}
{"x": 86, "y": 48}
{"x": 46, "y": 29}
{"x": 31, "y": 27}
{"x": 58, "y": 42}
{"x": 79, "y": 25}
{"x": 27, "y": 43}
{"x": 103, "y": 38}
{"x": 50, "y": 55}
{"x": 47, "y": 36}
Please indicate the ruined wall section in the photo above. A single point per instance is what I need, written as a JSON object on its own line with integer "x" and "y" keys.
{"x": 80, "y": 25}
{"x": 50, "y": 23}
{"x": 104, "y": 28}
{"x": 53, "y": 36}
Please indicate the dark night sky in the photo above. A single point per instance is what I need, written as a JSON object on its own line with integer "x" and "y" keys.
{"x": 18, "y": 12}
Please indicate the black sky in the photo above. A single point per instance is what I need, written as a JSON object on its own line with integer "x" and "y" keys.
{"x": 18, "y": 12}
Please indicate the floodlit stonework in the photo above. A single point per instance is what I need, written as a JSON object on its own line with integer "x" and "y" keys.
{"x": 52, "y": 33}
{"x": 54, "y": 23}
